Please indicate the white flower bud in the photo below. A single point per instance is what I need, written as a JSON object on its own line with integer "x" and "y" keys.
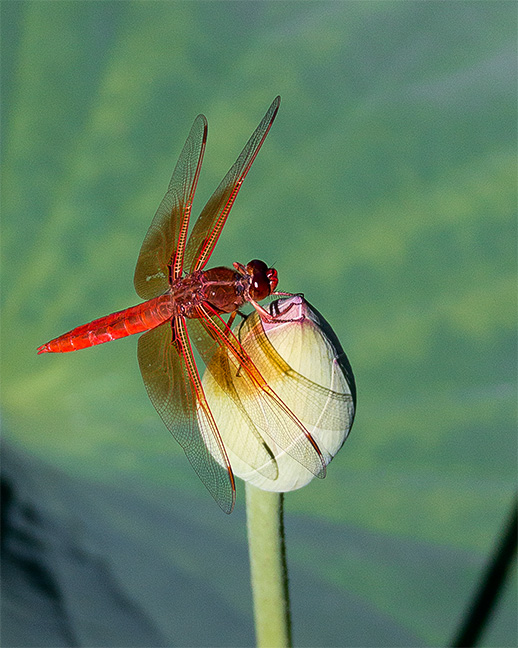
{"x": 301, "y": 359}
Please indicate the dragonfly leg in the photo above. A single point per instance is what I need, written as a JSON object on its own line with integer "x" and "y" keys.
{"x": 286, "y": 294}
{"x": 263, "y": 313}
{"x": 231, "y": 319}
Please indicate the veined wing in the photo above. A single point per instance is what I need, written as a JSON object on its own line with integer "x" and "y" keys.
{"x": 161, "y": 254}
{"x": 208, "y": 227}
{"x": 174, "y": 388}
{"x": 329, "y": 407}
{"x": 272, "y": 418}
{"x": 252, "y": 449}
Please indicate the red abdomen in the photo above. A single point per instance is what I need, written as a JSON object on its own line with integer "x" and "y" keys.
{"x": 112, "y": 327}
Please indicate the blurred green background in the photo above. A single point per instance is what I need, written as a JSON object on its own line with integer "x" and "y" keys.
{"x": 385, "y": 191}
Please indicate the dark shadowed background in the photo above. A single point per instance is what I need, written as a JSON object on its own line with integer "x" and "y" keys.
{"x": 386, "y": 192}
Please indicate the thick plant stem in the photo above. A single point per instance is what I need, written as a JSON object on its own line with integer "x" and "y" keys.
{"x": 269, "y": 575}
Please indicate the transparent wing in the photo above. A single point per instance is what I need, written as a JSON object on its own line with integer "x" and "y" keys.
{"x": 273, "y": 420}
{"x": 208, "y": 227}
{"x": 167, "y": 368}
{"x": 252, "y": 447}
{"x": 332, "y": 408}
{"x": 161, "y": 254}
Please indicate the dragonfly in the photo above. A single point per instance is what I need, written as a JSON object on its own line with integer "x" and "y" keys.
{"x": 184, "y": 308}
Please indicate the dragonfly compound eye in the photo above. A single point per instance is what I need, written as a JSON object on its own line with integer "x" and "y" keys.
{"x": 260, "y": 282}
{"x": 271, "y": 273}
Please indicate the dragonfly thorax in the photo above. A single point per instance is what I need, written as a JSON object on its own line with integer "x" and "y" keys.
{"x": 224, "y": 289}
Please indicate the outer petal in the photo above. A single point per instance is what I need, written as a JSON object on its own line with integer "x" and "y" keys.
{"x": 302, "y": 360}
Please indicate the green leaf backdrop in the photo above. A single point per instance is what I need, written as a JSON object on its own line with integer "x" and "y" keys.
{"x": 386, "y": 192}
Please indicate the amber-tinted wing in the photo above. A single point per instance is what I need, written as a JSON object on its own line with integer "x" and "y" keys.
{"x": 331, "y": 409}
{"x": 174, "y": 387}
{"x": 272, "y": 418}
{"x": 252, "y": 448}
{"x": 208, "y": 227}
{"x": 161, "y": 254}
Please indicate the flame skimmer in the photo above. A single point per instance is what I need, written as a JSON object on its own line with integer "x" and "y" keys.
{"x": 184, "y": 304}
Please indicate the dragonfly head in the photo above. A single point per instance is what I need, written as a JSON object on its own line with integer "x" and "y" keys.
{"x": 263, "y": 280}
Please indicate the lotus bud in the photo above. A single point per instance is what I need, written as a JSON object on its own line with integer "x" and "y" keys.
{"x": 300, "y": 357}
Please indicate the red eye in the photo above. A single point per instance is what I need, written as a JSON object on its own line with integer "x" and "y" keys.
{"x": 257, "y": 266}
{"x": 260, "y": 287}
{"x": 271, "y": 273}
{"x": 262, "y": 279}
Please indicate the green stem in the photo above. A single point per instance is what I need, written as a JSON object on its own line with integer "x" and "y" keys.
{"x": 268, "y": 570}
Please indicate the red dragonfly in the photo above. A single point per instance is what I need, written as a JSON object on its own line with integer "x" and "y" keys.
{"x": 184, "y": 304}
